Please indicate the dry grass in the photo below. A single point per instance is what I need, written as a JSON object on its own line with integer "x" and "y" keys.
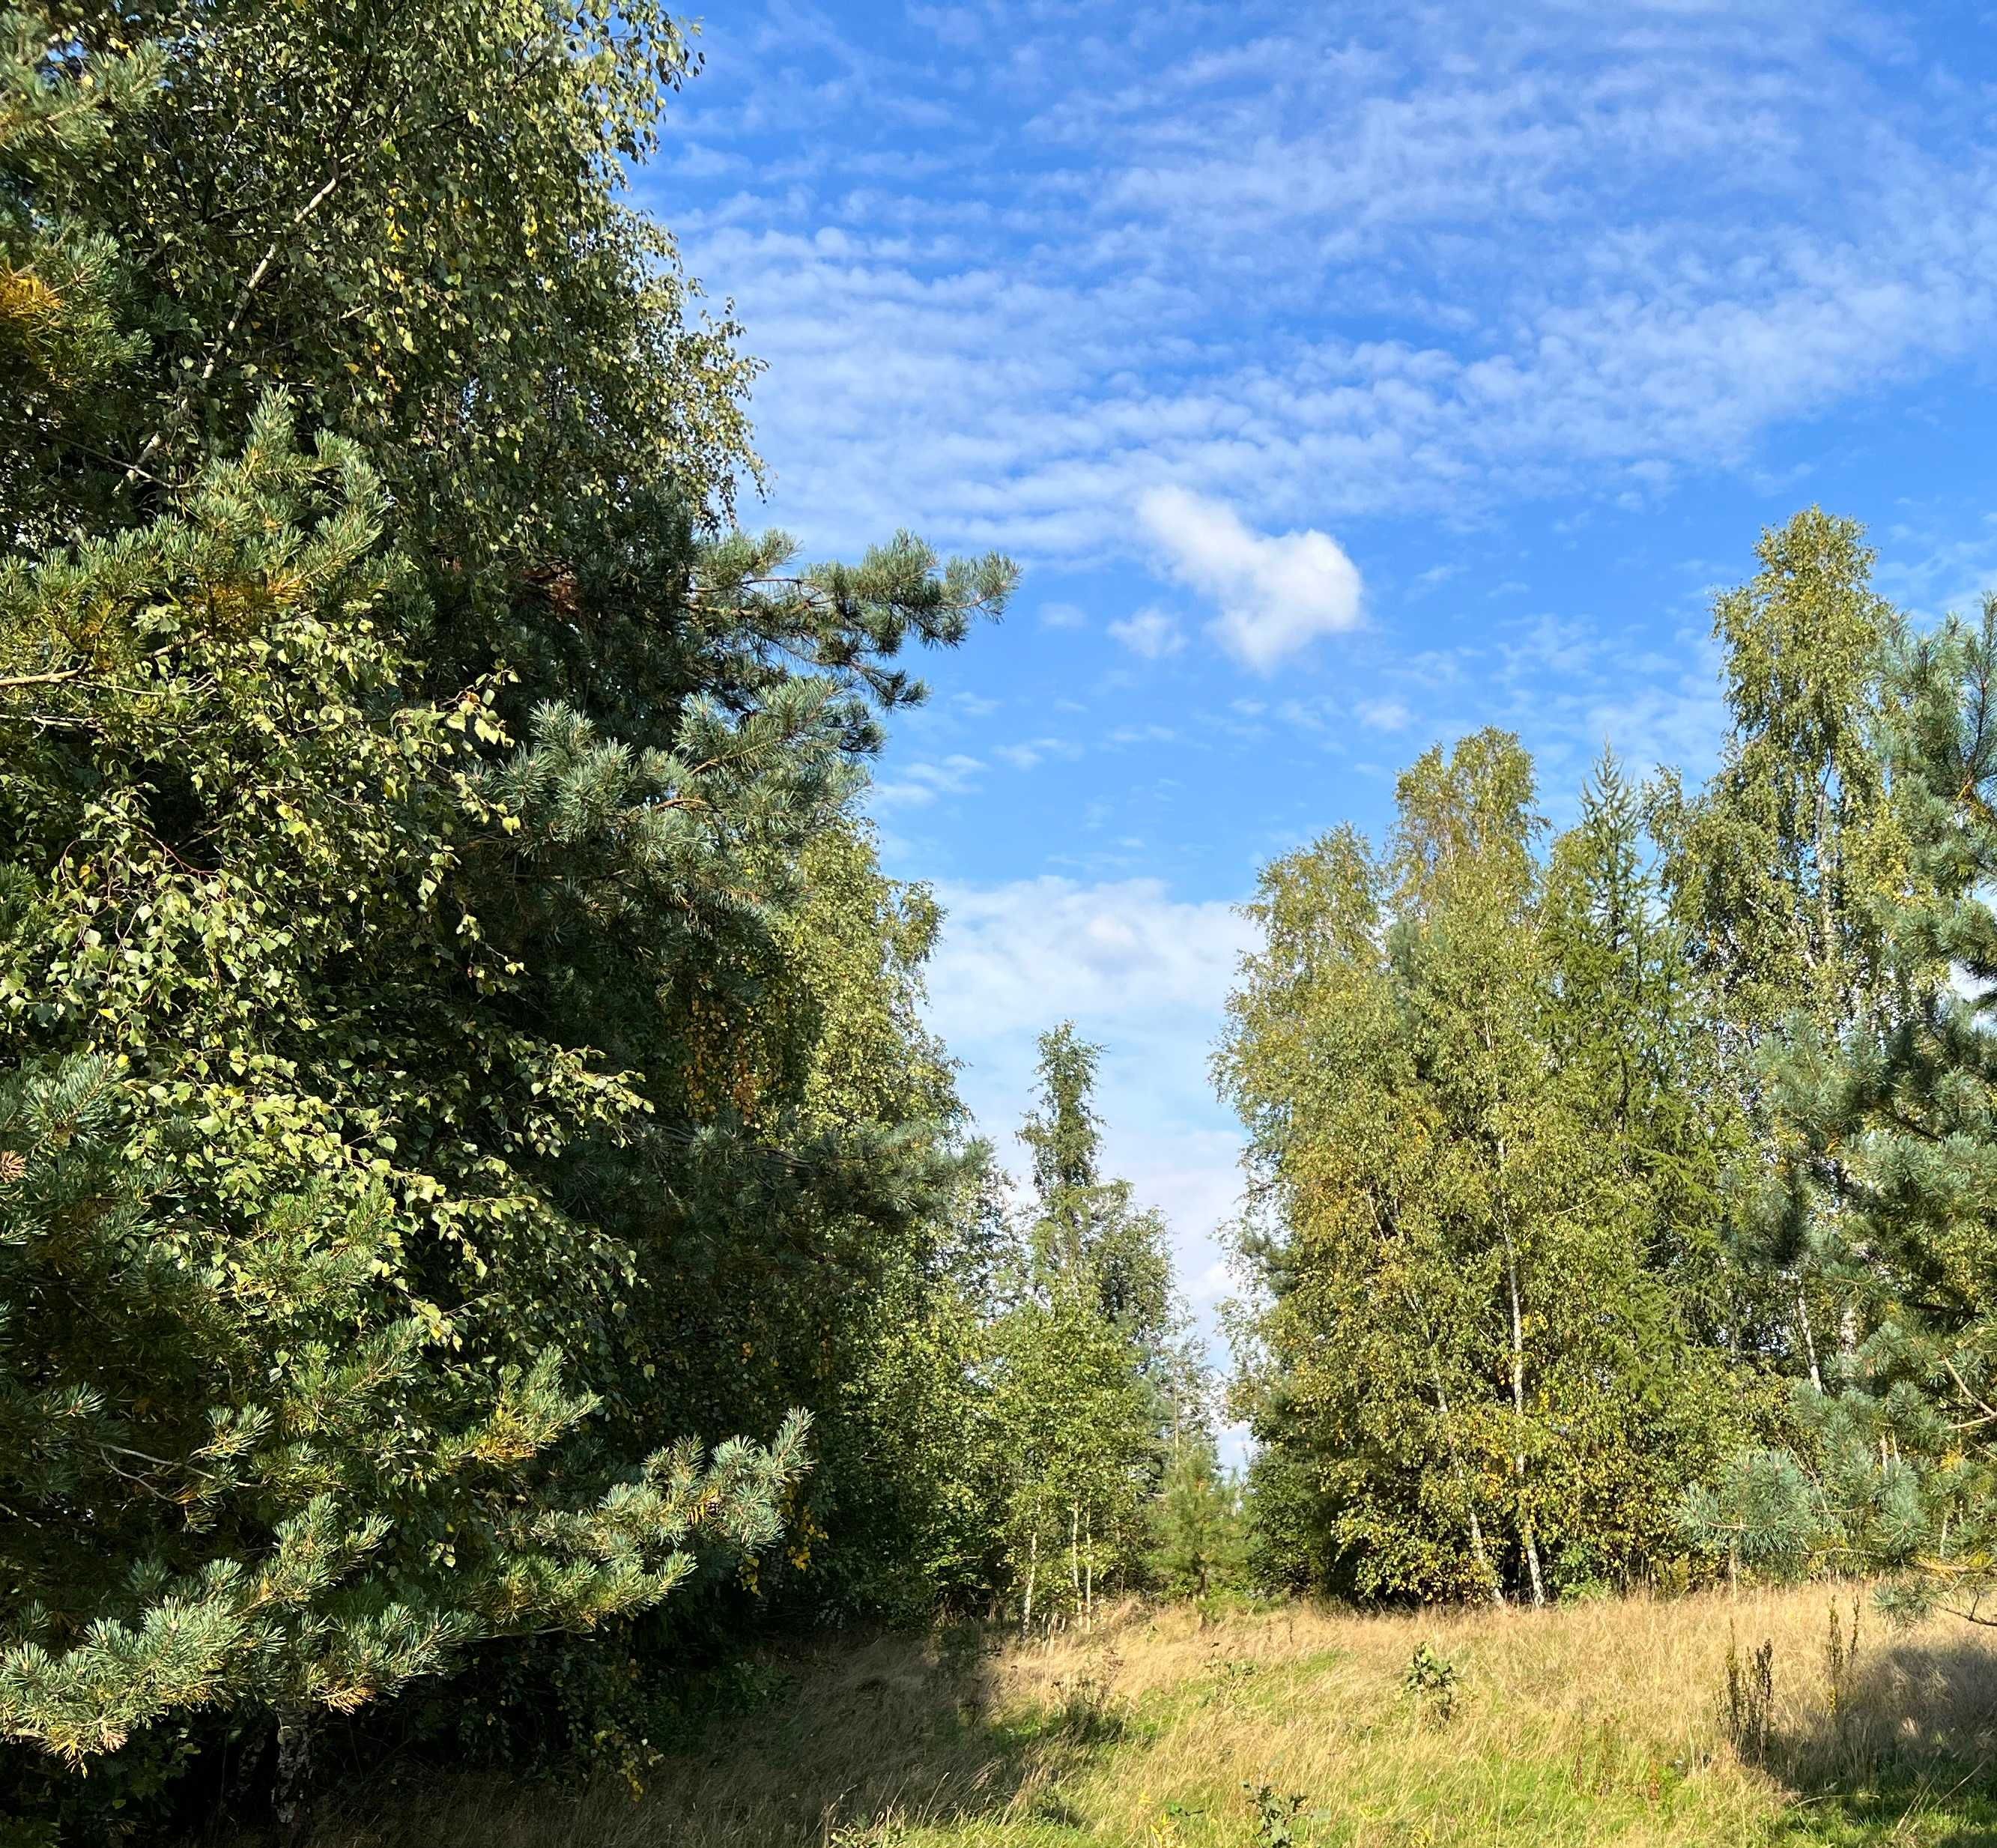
{"x": 1596, "y": 1723}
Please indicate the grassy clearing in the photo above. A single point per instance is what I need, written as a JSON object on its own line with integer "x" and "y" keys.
{"x": 1598, "y": 1723}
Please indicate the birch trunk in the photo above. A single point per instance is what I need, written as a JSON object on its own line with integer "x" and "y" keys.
{"x": 1462, "y": 1476}
{"x": 1526, "y": 1540}
{"x": 1809, "y": 1339}
{"x": 1088, "y": 1573}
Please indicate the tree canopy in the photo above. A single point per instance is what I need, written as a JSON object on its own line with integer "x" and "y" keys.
{"x": 486, "y": 1225}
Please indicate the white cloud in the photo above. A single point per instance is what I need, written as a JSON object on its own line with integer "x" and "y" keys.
{"x": 1328, "y": 269}
{"x": 1031, "y": 753}
{"x": 1016, "y": 957}
{"x": 1384, "y": 714}
{"x": 956, "y": 25}
{"x": 1277, "y": 592}
{"x": 1931, "y": 572}
{"x": 1150, "y": 633}
{"x": 1062, "y": 615}
{"x": 1151, "y": 733}
{"x": 919, "y": 784}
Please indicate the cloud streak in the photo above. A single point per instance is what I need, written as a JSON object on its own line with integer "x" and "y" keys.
{"x": 1389, "y": 262}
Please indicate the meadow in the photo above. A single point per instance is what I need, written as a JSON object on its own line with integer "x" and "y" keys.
{"x": 1633, "y": 1722}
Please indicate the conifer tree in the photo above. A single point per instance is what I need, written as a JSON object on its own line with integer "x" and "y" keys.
{"x": 271, "y": 1451}
{"x": 1888, "y": 1140}
{"x": 1200, "y": 1525}
{"x": 401, "y": 826}
{"x": 1084, "y": 1227}
{"x": 1083, "y": 1403}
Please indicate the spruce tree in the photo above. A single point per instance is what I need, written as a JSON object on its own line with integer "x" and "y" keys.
{"x": 1084, "y": 1227}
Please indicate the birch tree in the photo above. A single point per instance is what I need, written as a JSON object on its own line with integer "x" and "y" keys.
{"x": 1776, "y": 870}
{"x": 1460, "y": 1353}
{"x": 1089, "y": 1374}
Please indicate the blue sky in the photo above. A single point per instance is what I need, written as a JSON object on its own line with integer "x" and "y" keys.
{"x": 1344, "y": 377}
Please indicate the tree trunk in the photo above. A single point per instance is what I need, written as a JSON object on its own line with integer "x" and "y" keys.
{"x": 1462, "y": 1475}
{"x": 1525, "y": 1538}
{"x": 1456, "y": 1465}
{"x": 1809, "y": 1340}
{"x": 1032, "y": 1572}
{"x": 294, "y": 1778}
{"x": 1088, "y": 1572}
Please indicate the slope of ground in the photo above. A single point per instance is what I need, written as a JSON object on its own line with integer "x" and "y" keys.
{"x": 1598, "y": 1723}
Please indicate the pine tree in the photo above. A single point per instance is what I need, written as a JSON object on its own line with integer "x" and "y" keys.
{"x": 272, "y": 1453}
{"x": 1201, "y": 1529}
{"x": 1888, "y": 1135}
{"x": 405, "y": 825}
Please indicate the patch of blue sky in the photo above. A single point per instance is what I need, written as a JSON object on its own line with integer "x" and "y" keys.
{"x": 1345, "y": 378}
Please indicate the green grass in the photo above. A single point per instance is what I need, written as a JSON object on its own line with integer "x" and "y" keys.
{"x": 1597, "y": 1724}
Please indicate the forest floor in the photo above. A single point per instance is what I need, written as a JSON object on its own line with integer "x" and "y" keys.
{"x": 1596, "y": 1723}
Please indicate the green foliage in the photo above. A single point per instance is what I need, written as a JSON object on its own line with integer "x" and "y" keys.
{"x": 1485, "y": 1253}
{"x": 1569, "y": 1163}
{"x": 1091, "y": 1381}
{"x": 1276, "y": 1813}
{"x": 461, "y": 1041}
{"x": 1429, "y": 1681}
{"x": 420, "y": 197}
{"x": 1755, "y": 1511}
{"x": 1777, "y": 873}
{"x": 1083, "y": 1226}
{"x": 1886, "y": 1138}
{"x": 1199, "y": 1544}
{"x": 1773, "y": 863}
{"x": 291, "y": 1426}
